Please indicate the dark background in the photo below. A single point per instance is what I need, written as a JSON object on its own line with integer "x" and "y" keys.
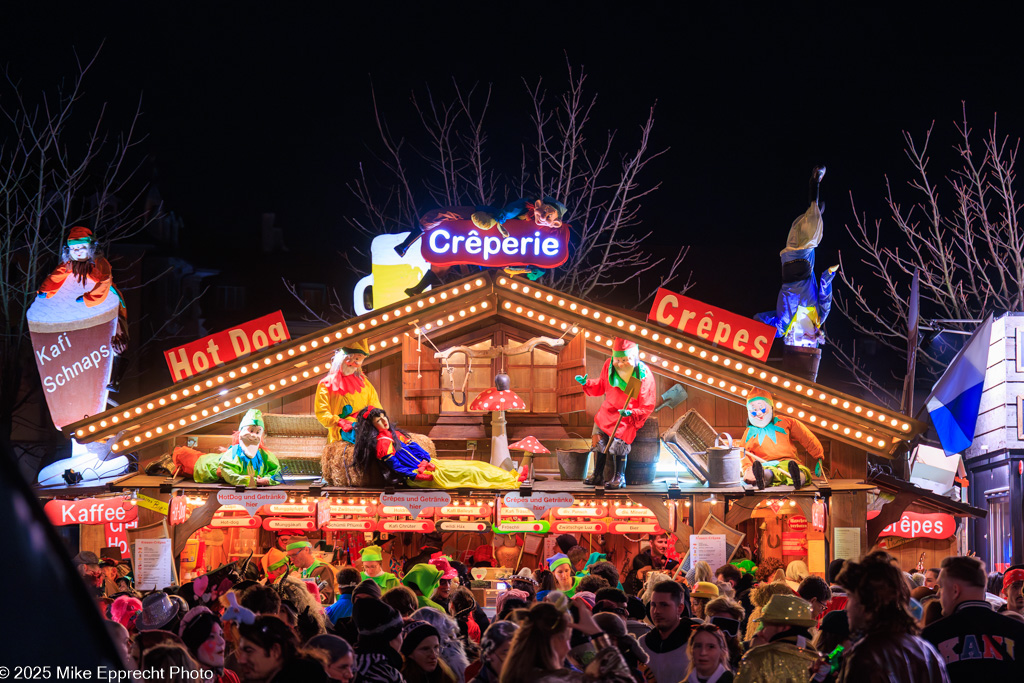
{"x": 265, "y": 107}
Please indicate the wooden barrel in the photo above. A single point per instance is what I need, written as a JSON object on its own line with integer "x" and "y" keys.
{"x": 801, "y": 361}
{"x": 643, "y": 456}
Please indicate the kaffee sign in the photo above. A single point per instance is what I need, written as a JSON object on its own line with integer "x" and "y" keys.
{"x": 712, "y": 324}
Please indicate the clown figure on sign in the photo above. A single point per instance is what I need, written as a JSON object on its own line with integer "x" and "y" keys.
{"x": 770, "y": 457}
{"x": 627, "y": 385}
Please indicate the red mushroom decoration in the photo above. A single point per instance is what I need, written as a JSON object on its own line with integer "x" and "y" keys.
{"x": 532, "y": 447}
{"x": 501, "y": 397}
{"x": 498, "y": 400}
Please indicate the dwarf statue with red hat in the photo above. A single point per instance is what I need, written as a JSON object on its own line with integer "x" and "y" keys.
{"x": 80, "y": 261}
{"x": 623, "y": 413}
{"x": 770, "y": 457}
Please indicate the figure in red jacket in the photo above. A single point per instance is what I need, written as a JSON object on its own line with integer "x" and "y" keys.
{"x": 615, "y": 374}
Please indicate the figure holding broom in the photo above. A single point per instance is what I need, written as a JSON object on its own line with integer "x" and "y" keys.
{"x": 628, "y": 387}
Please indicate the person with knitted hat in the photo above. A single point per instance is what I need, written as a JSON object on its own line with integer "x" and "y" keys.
{"x": 421, "y": 647}
{"x": 787, "y": 650}
{"x": 371, "y": 558}
{"x": 344, "y": 392}
{"x": 561, "y": 570}
{"x": 245, "y": 463}
{"x": 311, "y": 567}
{"x": 770, "y": 457}
{"x": 622, "y": 414}
{"x": 380, "y": 639}
{"x": 424, "y": 579}
{"x": 81, "y": 263}
{"x": 444, "y": 586}
{"x": 203, "y": 635}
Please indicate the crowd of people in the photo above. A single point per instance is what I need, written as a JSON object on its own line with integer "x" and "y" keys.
{"x": 578, "y": 620}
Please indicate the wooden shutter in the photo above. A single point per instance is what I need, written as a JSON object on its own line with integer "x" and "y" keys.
{"x": 421, "y": 379}
{"x": 572, "y": 361}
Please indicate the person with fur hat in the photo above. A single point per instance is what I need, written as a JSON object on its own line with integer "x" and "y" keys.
{"x": 372, "y": 558}
{"x": 125, "y": 610}
{"x": 622, "y": 414}
{"x": 203, "y": 635}
{"x": 245, "y": 463}
{"x": 770, "y": 457}
{"x": 787, "y": 653}
{"x": 424, "y": 579}
{"x": 300, "y": 552}
{"x": 378, "y": 658}
{"x": 421, "y": 648}
{"x": 79, "y": 261}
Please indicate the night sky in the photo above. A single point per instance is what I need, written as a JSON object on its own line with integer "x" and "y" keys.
{"x": 265, "y": 107}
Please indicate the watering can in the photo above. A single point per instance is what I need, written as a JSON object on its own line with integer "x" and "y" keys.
{"x": 673, "y": 397}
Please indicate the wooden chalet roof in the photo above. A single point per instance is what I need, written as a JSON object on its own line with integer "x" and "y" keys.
{"x": 299, "y": 363}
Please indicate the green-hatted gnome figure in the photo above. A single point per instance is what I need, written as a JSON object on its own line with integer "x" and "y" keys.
{"x": 246, "y": 463}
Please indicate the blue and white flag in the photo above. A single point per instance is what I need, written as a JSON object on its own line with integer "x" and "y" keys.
{"x": 956, "y": 397}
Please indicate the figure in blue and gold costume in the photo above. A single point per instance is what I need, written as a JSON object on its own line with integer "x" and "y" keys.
{"x": 803, "y": 302}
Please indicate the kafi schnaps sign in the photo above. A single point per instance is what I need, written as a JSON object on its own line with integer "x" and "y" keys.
{"x": 226, "y": 346}
{"x": 454, "y": 242}
{"x": 713, "y": 324}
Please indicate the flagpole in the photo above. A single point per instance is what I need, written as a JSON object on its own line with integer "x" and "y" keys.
{"x": 913, "y": 314}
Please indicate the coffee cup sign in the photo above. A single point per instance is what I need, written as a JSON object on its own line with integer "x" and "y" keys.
{"x": 479, "y": 573}
{"x": 540, "y": 503}
{"x": 252, "y": 499}
{"x": 416, "y": 502}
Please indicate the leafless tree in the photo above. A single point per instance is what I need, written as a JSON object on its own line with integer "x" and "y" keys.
{"x": 52, "y": 178}
{"x": 449, "y": 160}
{"x": 962, "y": 232}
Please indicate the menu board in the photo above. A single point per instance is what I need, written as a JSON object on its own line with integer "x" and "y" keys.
{"x": 153, "y": 560}
{"x": 846, "y": 542}
{"x": 710, "y": 548}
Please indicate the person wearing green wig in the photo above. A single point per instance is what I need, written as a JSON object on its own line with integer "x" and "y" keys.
{"x": 424, "y": 579}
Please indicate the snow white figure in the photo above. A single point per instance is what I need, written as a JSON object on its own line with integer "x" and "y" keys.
{"x": 404, "y": 460}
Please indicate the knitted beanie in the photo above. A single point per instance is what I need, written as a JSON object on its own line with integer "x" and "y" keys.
{"x": 414, "y": 633}
{"x": 377, "y": 620}
{"x": 366, "y": 589}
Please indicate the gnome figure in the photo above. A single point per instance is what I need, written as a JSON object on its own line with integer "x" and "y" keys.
{"x": 770, "y": 457}
{"x": 344, "y": 393}
{"x": 246, "y": 463}
{"x": 628, "y": 387}
{"x": 80, "y": 261}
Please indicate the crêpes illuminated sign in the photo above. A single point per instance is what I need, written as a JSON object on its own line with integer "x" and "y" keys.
{"x": 712, "y": 324}
{"x": 453, "y": 242}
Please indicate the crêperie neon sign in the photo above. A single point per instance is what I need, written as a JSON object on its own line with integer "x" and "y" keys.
{"x": 528, "y": 244}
